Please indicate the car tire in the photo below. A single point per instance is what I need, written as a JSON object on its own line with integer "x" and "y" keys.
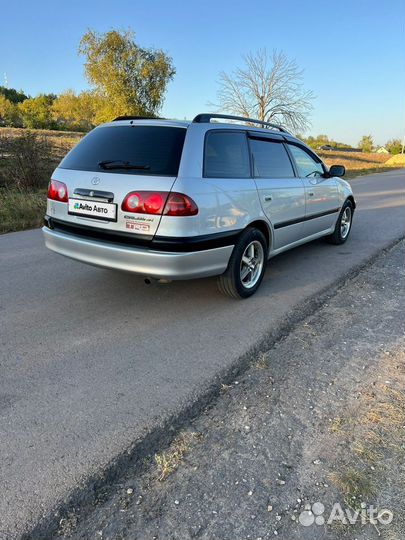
{"x": 343, "y": 225}
{"x": 246, "y": 266}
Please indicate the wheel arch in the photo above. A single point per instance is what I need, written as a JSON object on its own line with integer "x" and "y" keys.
{"x": 351, "y": 199}
{"x": 264, "y": 228}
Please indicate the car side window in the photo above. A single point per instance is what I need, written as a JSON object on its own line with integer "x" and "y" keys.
{"x": 226, "y": 155}
{"x": 270, "y": 159}
{"x": 306, "y": 164}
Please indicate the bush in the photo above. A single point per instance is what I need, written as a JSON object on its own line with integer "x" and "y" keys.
{"x": 25, "y": 161}
{"x": 20, "y": 210}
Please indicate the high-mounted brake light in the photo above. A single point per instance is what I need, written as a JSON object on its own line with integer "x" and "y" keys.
{"x": 57, "y": 191}
{"x": 158, "y": 203}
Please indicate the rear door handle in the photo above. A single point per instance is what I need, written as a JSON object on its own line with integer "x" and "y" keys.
{"x": 268, "y": 198}
{"x": 311, "y": 193}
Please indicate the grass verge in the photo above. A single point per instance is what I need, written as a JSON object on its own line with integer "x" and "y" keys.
{"x": 352, "y": 173}
{"x": 20, "y": 210}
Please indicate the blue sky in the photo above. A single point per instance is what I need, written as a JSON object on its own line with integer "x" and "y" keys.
{"x": 352, "y": 51}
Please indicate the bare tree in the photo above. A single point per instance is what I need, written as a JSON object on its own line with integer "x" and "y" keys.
{"x": 269, "y": 88}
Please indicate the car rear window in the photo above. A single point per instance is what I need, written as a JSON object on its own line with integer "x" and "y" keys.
{"x": 146, "y": 150}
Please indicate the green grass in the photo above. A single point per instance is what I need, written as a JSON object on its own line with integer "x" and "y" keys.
{"x": 20, "y": 210}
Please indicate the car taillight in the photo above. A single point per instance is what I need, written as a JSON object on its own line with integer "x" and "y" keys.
{"x": 178, "y": 204}
{"x": 57, "y": 191}
{"x": 145, "y": 202}
{"x": 159, "y": 202}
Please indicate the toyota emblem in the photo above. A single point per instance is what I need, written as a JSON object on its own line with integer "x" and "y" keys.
{"x": 95, "y": 181}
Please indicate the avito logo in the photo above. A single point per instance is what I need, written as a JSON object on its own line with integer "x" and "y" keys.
{"x": 366, "y": 514}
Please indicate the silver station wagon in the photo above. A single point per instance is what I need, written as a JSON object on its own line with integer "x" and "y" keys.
{"x": 178, "y": 200}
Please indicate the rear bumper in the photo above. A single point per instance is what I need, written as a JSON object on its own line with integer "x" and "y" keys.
{"x": 143, "y": 261}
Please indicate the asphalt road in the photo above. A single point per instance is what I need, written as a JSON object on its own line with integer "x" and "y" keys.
{"x": 91, "y": 358}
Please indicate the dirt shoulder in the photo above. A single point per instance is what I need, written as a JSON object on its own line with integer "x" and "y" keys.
{"x": 317, "y": 419}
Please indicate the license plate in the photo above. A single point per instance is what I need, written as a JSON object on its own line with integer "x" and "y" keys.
{"x": 93, "y": 209}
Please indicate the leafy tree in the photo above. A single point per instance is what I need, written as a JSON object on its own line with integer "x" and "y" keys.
{"x": 36, "y": 112}
{"x": 366, "y": 143}
{"x": 126, "y": 78}
{"x": 75, "y": 112}
{"x": 9, "y": 115}
{"x": 394, "y": 146}
{"x": 268, "y": 87}
{"x": 319, "y": 140}
{"x": 323, "y": 140}
{"x": 13, "y": 95}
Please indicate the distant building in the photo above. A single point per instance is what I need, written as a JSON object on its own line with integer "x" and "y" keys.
{"x": 382, "y": 150}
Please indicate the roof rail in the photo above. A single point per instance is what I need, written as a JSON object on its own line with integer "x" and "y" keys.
{"x": 137, "y": 118}
{"x": 206, "y": 118}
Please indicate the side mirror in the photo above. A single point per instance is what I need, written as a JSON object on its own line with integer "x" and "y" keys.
{"x": 337, "y": 170}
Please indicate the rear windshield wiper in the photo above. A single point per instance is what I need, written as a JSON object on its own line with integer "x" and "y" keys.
{"x": 121, "y": 164}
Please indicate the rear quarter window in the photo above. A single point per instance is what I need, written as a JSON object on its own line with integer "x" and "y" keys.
{"x": 156, "y": 150}
{"x": 226, "y": 155}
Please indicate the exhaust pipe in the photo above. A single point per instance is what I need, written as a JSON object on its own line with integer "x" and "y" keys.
{"x": 149, "y": 281}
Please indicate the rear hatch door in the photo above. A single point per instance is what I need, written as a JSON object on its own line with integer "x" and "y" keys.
{"x": 110, "y": 162}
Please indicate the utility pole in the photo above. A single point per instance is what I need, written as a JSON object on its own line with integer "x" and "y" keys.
{"x": 403, "y": 144}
